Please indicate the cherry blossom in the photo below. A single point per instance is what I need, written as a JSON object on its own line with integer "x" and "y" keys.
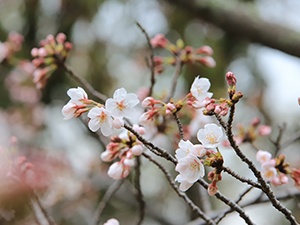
{"x": 190, "y": 170}
{"x": 100, "y": 119}
{"x": 263, "y": 156}
{"x": 122, "y": 104}
{"x": 210, "y": 136}
{"x": 199, "y": 88}
{"x": 77, "y": 104}
{"x": 186, "y": 148}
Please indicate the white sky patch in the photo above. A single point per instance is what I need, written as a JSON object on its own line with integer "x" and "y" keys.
{"x": 282, "y": 73}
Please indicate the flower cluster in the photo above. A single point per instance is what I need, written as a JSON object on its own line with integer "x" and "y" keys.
{"x": 156, "y": 108}
{"x": 200, "y": 97}
{"x": 186, "y": 54}
{"x": 12, "y": 45}
{"x": 125, "y": 147}
{"x": 191, "y": 157}
{"x": 106, "y": 118}
{"x": 275, "y": 170}
{"x": 51, "y": 54}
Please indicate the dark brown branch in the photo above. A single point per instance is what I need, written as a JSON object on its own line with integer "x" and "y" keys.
{"x": 156, "y": 150}
{"x": 179, "y": 193}
{"x": 179, "y": 125}
{"x": 230, "y": 203}
{"x": 243, "y": 24}
{"x": 85, "y": 84}
{"x": 139, "y": 193}
{"x": 237, "y": 202}
{"x": 240, "y": 178}
{"x": 264, "y": 186}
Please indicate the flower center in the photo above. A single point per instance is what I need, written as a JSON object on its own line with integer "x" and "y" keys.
{"x": 211, "y": 138}
{"x": 102, "y": 117}
{"x": 121, "y": 106}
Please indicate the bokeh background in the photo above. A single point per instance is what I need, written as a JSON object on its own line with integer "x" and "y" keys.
{"x": 110, "y": 52}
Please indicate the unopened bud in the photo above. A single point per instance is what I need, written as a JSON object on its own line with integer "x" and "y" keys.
{"x": 205, "y": 50}
{"x": 231, "y": 79}
{"x": 237, "y": 96}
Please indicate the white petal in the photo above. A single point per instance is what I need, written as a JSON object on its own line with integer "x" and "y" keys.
{"x": 94, "y": 124}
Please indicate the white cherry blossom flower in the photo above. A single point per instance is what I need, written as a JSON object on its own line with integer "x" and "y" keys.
{"x": 122, "y": 104}
{"x": 263, "y": 156}
{"x": 186, "y": 148}
{"x": 210, "y": 136}
{"x": 199, "y": 88}
{"x": 184, "y": 184}
{"x": 190, "y": 170}
{"x": 77, "y": 94}
{"x": 100, "y": 119}
{"x": 76, "y": 105}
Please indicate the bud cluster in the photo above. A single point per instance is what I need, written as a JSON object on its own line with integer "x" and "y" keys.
{"x": 156, "y": 108}
{"x": 51, "y": 54}
{"x": 125, "y": 148}
{"x": 185, "y": 54}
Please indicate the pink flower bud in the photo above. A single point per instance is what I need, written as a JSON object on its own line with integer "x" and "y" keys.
{"x": 207, "y": 61}
{"x": 61, "y": 38}
{"x": 170, "y": 108}
{"x": 34, "y": 52}
{"x": 42, "y": 52}
{"x": 107, "y": 156}
{"x": 68, "y": 46}
{"x": 159, "y": 41}
{"x": 205, "y": 50}
{"x": 137, "y": 150}
{"x": 118, "y": 171}
{"x": 264, "y": 130}
{"x": 212, "y": 189}
{"x": 230, "y": 78}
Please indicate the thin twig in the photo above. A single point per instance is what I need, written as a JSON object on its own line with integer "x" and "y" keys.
{"x": 139, "y": 196}
{"x": 237, "y": 202}
{"x": 156, "y": 150}
{"x": 152, "y": 64}
{"x": 277, "y": 142}
{"x": 85, "y": 84}
{"x": 240, "y": 178}
{"x": 107, "y": 196}
{"x": 230, "y": 203}
{"x": 264, "y": 186}
{"x": 179, "y": 193}
{"x": 292, "y": 139}
{"x": 178, "y": 67}
{"x": 179, "y": 125}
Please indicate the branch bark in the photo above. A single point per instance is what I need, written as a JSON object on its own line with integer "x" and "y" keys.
{"x": 243, "y": 23}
